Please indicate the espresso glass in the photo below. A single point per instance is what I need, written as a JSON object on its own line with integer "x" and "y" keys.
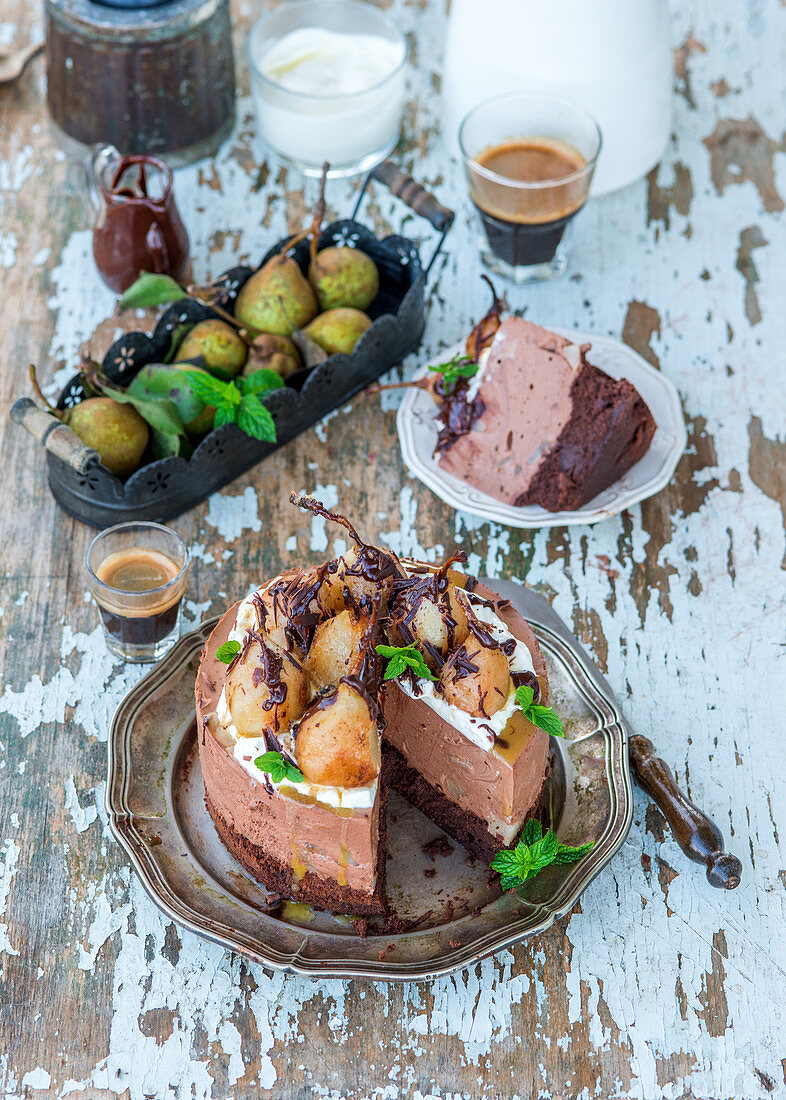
{"x": 140, "y": 623}
{"x": 523, "y": 221}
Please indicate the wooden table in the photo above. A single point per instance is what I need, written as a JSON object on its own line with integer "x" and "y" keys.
{"x": 655, "y": 985}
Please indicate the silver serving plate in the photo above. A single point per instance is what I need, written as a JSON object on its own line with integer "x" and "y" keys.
{"x": 155, "y": 802}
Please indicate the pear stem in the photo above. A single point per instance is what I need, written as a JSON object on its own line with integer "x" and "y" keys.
{"x": 414, "y": 384}
{"x": 319, "y": 213}
{"x": 199, "y": 295}
{"x": 40, "y": 394}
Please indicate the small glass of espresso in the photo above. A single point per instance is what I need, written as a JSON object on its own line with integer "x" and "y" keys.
{"x": 529, "y": 159}
{"x": 137, "y": 575}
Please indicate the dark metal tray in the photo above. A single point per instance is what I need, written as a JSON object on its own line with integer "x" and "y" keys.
{"x": 164, "y": 488}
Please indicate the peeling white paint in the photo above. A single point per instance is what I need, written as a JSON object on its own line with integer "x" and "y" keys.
{"x": 232, "y": 515}
{"x": 8, "y": 868}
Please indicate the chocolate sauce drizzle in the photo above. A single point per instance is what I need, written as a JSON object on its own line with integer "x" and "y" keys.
{"x": 458, "y": 415}
{"x": 371, "y": 563}
{"x": 407, "y": 595}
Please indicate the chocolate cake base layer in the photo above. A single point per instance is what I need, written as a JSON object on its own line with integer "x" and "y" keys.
{"x": 609, "y": 430}
{"x": 313, "y": 890}
{"x": 467, "y": 828}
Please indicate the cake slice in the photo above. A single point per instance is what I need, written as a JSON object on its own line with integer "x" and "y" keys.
{"x": 535, "y": 422}
{"x": 326, "y": 686}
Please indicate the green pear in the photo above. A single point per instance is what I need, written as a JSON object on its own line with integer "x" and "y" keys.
{"x": 218, "y": 345}
{"x": 338, "y": 330}
{"x": 269, "y": 352}
{"x": 276, "y": 299}
{"x": 116, "y": 431}
{"x": 344, "y": 277}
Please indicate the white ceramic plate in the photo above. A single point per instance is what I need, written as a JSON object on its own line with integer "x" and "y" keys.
{"x": 417, "y": 433}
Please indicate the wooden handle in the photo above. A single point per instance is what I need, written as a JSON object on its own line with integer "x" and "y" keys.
{"x": 414, "y": 194}
{"x": 699, "y": 837}
{"x": 56, "y": 436}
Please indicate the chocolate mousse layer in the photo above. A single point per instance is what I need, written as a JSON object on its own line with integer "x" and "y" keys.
{"x": 481, "y": 797}
{"x": 554, "y": 430}
{"x": 327, "y": 857}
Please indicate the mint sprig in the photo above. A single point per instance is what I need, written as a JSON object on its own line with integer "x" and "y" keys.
{"x": 460, "y": 366}
{"x": 274, "y": 764}
{"x": 534, "y": 851}
{"x": 238, "y": 402}
{"x": 400, "y": 658}
{"x": 227, "y": 652}
{"x": 543, "y": 717}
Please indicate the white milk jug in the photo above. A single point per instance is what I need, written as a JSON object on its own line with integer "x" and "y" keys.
{"x": 611, "y": 57}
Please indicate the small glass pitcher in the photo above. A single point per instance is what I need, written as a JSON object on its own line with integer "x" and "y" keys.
{"x": 138, "y": 227}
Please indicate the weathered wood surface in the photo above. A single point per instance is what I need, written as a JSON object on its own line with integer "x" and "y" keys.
{"x": 655, "y": 985}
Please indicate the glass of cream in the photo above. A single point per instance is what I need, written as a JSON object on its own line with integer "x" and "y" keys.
{"x": 327, "y": 78}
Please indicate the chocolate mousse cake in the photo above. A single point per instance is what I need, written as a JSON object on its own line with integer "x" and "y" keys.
{"x": 328, "y": 686}
{"x": 529, "y": 420}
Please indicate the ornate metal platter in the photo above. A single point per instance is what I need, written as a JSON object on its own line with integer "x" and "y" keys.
{"x": 454, "y": 915}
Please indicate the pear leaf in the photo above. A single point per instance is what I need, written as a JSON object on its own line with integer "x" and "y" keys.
{"x": 151, "y": 290}
{"x": 158, "y": 382}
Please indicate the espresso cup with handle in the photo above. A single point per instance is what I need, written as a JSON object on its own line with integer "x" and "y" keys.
{"x": 529, "y": 159}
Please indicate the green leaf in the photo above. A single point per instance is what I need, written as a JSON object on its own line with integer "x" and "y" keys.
{"x": 152, "y": 290}
{"x": 157, "y": 382}
{"x": 261, "y": 381}
{"x": 534, "y": 851}
{"x": 274, "y": 764}
{"x": 159, "y": 413}
{"x": 164, "y": 444}
{"x": 255, "y": 420}
{"x": 178, "y": 336}
{"x": 225, "y": 414}
{"x": 532, "y": 831}
{"x": 401, "y": 658}
{"x": 210, "y": 390}
{"x": 227, "y": 652}
{"x": 543, "y": 717}
{"x": 460, "y": 366}
{"x": 566, "y": 854}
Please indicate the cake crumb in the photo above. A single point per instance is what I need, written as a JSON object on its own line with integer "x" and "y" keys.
{"x": 439, "y": 846}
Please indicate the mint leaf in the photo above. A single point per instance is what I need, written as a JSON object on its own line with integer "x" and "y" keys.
{"x": 206, "y": 387}
{"x": 225, "y": 414}
{"x": 274, "y": 764}
{"x": 260, "y": 381}
{"x": 210, "y": 390}
{"x": 151, "y": 290}
{"x": 460, "y": 366}
{"x": 542, "y": 717}
{"x": 400, "y": 658}
{"x": 255, "y": 420}
{"x": 534, "y": 851}
{"x": 545, "y": 719}
{"x": 227, "y": 652}
{"x": 532, "y": 831}
{"x": 566, "y": 854}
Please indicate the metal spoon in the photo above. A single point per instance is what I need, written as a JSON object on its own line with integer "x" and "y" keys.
{"x": 14, "y": 62}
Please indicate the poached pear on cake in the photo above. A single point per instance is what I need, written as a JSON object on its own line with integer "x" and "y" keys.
{"x": 332, "y": 684}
